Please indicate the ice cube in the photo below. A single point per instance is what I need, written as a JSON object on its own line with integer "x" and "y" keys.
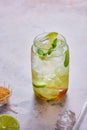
{"x": 65, "y": 121}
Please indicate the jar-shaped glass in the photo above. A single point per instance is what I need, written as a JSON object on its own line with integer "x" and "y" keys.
{"x": 50, "y": 66}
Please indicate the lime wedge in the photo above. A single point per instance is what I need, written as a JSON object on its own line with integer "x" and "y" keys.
{"x": 66, "y": 62}
{"x": 8, "y": 122}
{"x": 39, "y": 84}
{"x": 52, "y": 36}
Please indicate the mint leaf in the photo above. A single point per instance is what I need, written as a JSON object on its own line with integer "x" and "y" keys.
{"x": 54, "y": 44}
{"x": 66, "y": 61}
{"x": 40, "y": 51}
{"x": 49, "y": 51}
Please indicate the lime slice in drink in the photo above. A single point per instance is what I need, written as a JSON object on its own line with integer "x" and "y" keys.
{"x": 8, "y": 122}
{"x": 39, "y": 84}
{"x": 52, "y": 36}
{"x": 66, "y": 62}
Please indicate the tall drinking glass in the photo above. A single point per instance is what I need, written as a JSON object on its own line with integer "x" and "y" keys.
{"x": 50, "y": 66}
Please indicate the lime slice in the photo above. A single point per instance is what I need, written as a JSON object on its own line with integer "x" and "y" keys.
{"x": 8, "y": 122}
{"x": 39, "y": 84}
{"x": 66, "y": 62}
{"x": 52, "y": 36}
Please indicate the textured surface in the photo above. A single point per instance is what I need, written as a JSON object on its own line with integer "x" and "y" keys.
{"x": 20, "y": 22}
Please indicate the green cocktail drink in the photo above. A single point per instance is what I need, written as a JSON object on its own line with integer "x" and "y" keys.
{"x": 50, "y": 66}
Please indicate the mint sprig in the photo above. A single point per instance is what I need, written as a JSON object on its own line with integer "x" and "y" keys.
{"x": 43, "y": 54}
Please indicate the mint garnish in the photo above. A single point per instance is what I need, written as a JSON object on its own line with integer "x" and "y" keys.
{"x": 49, "y": 51}
{"x": 41, "y": 52}
{"x": 54, "y": 44}
{"x": 66, "y": 62}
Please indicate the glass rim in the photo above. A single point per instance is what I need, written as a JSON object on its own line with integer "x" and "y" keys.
{"x": 41, "y": 36}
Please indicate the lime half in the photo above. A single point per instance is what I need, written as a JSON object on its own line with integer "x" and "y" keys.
{"x": 8, "y": 122}
{"x": 52, "y": 36}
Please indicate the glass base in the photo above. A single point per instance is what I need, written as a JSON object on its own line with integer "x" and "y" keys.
{"x": 57, "y": 97}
